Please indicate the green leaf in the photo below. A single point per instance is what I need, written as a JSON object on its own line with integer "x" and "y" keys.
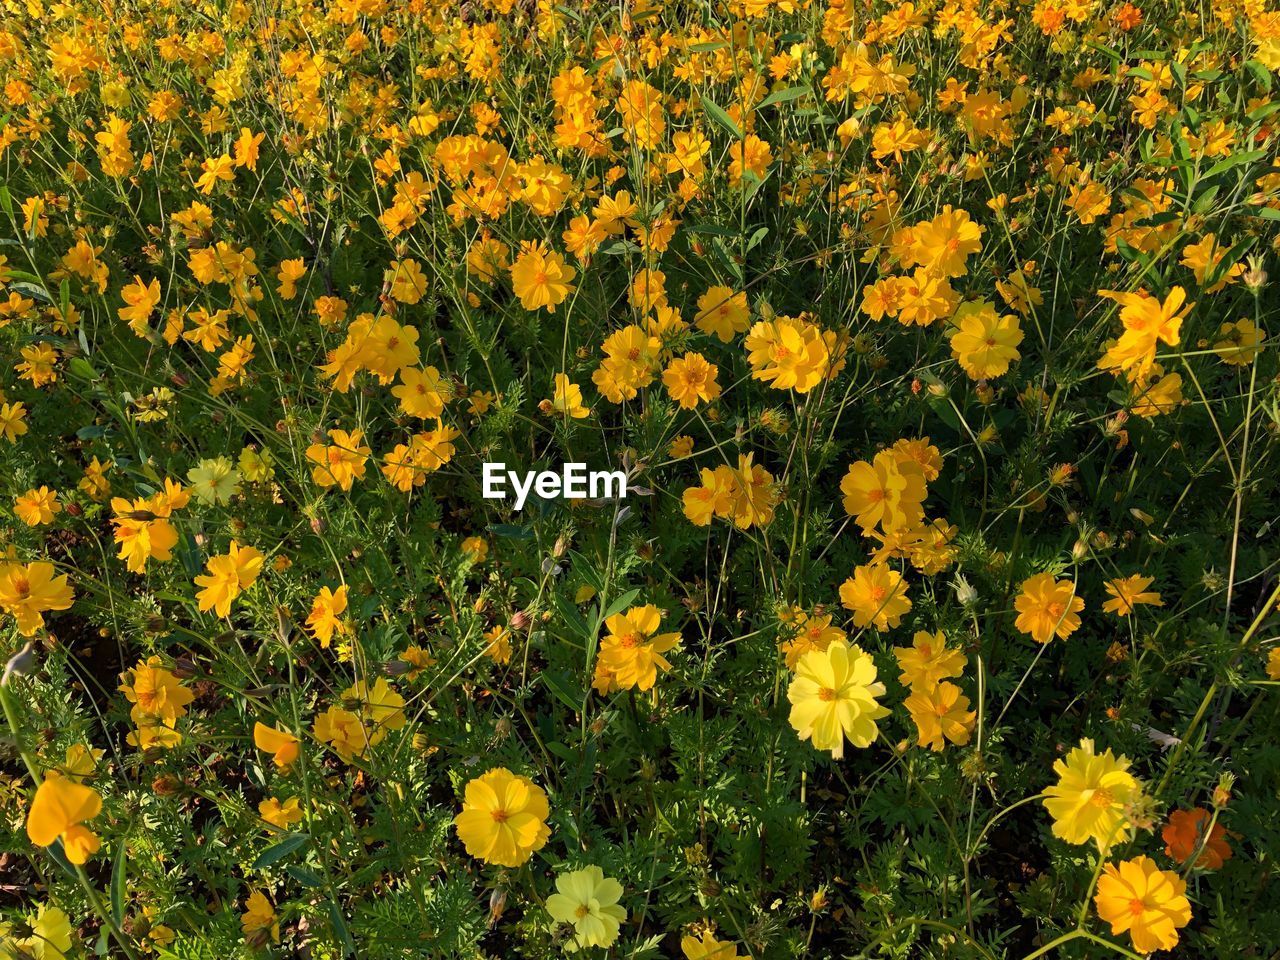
{"x": 783, "y": 96}
{"x": 722, "y": 119}
{"x": 562, "y": 687}
{"x": 117, "y": 885}
{"x": 511, "y": 531}
{"x": 1235, "y": 160}
{"x": 277, "y": 852}
{"x": 32, "y": 290}
{"x": 340, "y": 929}
{"x": 1260, "y": 73}
{"x": 308, "y": 878}
{"x": 82, "y": 369}
{"x": 619, "y": 604}
{"x": 1229, "y": 259}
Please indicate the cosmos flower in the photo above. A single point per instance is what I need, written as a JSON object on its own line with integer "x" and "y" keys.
{"x": 833, "y": 698}
{"x": 1048, "y": 607}
{"x": 1137, "y": 897}
{"x": 503, "y": 819}
{"x": 1090, "y": 799}
{"x": 588, "y": 901}
{"x": 59, "y": 810}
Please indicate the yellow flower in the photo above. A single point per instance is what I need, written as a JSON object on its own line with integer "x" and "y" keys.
{"x": 156, "y": 694}
{"x": 37, "y": 507}
{"x": 788, "y": 354}
{"x": 631, "y": 652}
{"x": 342, "y": 730}
{"x": 566, "y": 398}
{"x": 941, "y": 713}
{"x": 1241, "y": 342}
{"x": 289, "y": 272}
{"x": 713, "y": 498}
{"x": 325, "y": 618}
{"x": 833, "y": 696}
{"x": 229, "y": 574}
{"x": 422, "y": 393}
{"x": 1207, "y": 257}
{"x": 282, "y": 815}
{"x": 983, "y": 341}
{"x": 341, "y": 462}
{"x": 283, "y": 746}
{"x": 889, "y": 491}
{"x": 499, "y": 647}
{"x": 140, "y": 299}
{"x": 754, "y": 493}
{"x": 380, "y": 706}
{"x": 476, "y": 548}
{"x": 1128, "y": 592}
{"x": 1047, "y": 607}
{"x": 748, "y": 156}
{"x": 810, "y": 633}
{"x": 142, "y": 529}
{"x": 81, "y": 762}
{"x": 1147, "y": 321}
{"x": 408, "y": 282}
{"x": 723, "y": 312}
{"x": 29, "y": 591}
{"x": 213, "y": 171}
{"x": 214, "y": 481}
{"x": 1090, "y": 798}
{"x": 942, "y": 245}
{"x": 503, "y": 819}
{"x": 690, "y": 379}
{"x": 259, "y": 920}
{"x": 877, "y": 595}
{"x": 588, "y": 900}
{"x": 707, "y": 947}
{"x": 12, "y": 420}
{"x": 541, "y": 278}
{"x": 60, "y": 807}
{"x": 418, "y": 660}
{"x": 927, "y": 661}
{"x": 51, "y": 936}
{"x": 1150, "y": 903}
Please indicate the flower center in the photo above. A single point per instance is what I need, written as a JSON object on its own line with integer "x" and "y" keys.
{"x": 1137, "y": 907}
{"x": 826, "y": 694}
{"x": 631, "y": 640}
{"x": 499, "y": 815}
{"x": 1102, "y": 798}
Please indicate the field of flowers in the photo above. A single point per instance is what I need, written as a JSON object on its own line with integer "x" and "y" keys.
{"x": 937, "y": 345}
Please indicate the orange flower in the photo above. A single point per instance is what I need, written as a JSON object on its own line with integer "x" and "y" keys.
{"x": 1184, "y": 833}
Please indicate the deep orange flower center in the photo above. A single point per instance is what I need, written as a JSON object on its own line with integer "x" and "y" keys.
{"x": 499, "y": 815}
{"x": 826, "y": 694}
